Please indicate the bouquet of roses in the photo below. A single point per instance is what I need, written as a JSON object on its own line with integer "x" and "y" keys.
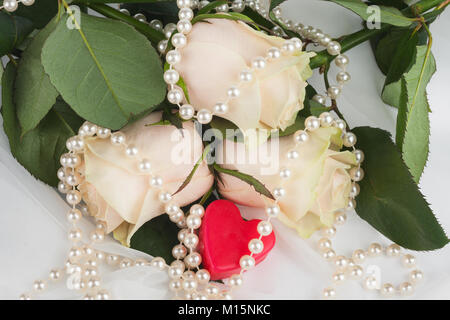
{"x": 166, "y": 114}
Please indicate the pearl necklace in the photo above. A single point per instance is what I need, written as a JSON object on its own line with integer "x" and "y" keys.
{"x": 13, "y": 5}
{"x": 82, "y": 263}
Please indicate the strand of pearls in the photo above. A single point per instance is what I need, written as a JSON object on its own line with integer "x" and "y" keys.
{"x": 13, "y": 5}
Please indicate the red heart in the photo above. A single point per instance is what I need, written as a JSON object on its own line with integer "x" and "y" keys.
{"x": 224, "y": 238}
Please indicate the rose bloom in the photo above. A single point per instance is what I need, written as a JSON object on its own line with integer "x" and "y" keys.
{"x": 216, "y": 53}
{"x": 318, "y": 186}
{"x": 118, "y": 193}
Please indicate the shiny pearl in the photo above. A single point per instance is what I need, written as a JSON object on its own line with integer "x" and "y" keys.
{"x": 62, "y": 173}
{"x": 176, "y": 217}
{"x": 349, "y": 139}
{"x": 70, "y": 160}
{"x": 203, "y": 4}
{"x": 339, "y": 123}
{"x": 102, "y": 295}
{"x": 341, "y": 261}
{"x": 193, "y": 221}
{"x": 370, "y": 283}
{"x": 238, "y": 6}
{"x": 359, "y": 256}
{"x": 197, "y": 210}
{"x": 259, "y": 63}
{"x": 359, "y": 155}
{"x": 273, "y": 53}
{"x": 186, "y": 112}
{"x": 279, "y": 192}
{"x": 87, "y": 129}
{"x": 184, "y": 26}
{"x": 179, "y": 251}
{"x": 354, "y": 190}
{"x": 357, "y": 174}
{"x": 233, "y": 92}
{"x": 273, "y": 211}
{"x": 140, "y": 17}
{"x": 191, "y": 240}
{"x": 351, "y": 204}
{"x": 202, "y": 276}
{"x": 293, "y": 154}
{"x": 112, "y": 259}
{"x": 264, "y": 228}
{"x": 288, "y": 47}
{"x": 156, "y": 182}
{"x": 171, "y": 76}
{"x": 235, "y": 280}
{"x": 333, "y": 92}
{"x": 387, "y": 290}
{"x": 301, "y": 136}
{"x": 175, "y": 272}
{"x": 343, "y": 77}
{"x": 193, "y": 259}
{"x": 93, "y": 282}
{"x": 144, "y": 165}
{"x": 156, "y": 24}
{"x": 285, "y": 173}
{"x": 277, "y": 12}
{"x": 325, "y": 40}
{"x": 73, "y": 197}
{"x": 185, "y": 14}
{"x": 416, "y": 276}
{"x": 158, "y": 263}
{"x": 406, "y": 289}
{"x": 75, "y": 143}
{"x": 312, "y": 123}
{"x": 131, "y": 151}
{"x": 169, "y": 29}
{"x": 74, "y": 252}
{"x": 255, "y": 246}
{"x": 97, "y": 235}
{"x": 393, "y": 250}
{"x": 175, "y": 95}
{"x": 329, "y": 231}
{"x": 162, "y": 46}
{"x": 164, "y": 196}
{"x": 338, "y": 277}
{"x": 204, "y": 116}
{"x": 341, "y": 60}
{"x": 190, "y": 284}
{"x": 39, "y": 285}
{"x": 246, "y": 75}
{"x": 324, "y": 244}
{"x": 328, "y": 254}
{"x": 175, "y": 284}
{"x": 27, "y": 2}
{"x": 184, "y": 3}
{"x": 222, "y": 8}
{"x": 179, "y": 40}
{"x": 356, "y": 271}
{"x": 375, "y": 249}
{"x": 118, "y": 138}
{"x": 340, "y": 218}
{"x": 171, "y": 208}
{"x": 63, "y": 187}
{"x": 334, "y": 48}
{"x": 409, "y": 261}
{"x": 173, "y": 57}
{"x": 297, "y": 43}
{"x": 182, "y": 234}
{"x": 329, "y": 293}
{"x": 74, "y": 215}
{"x": 125, "y": 11}
{"x": 278, "y": 31}
{"x": 103, "y": 133}
{"x": 320, "y": 98}
{"x": 189, "y": 274}
{"x": 326, "y": 119}
{"x": 246, "y": 262}
{"x": 24, "y": 296}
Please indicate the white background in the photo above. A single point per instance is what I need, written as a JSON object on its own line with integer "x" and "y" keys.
{"x": 32, "y": 216}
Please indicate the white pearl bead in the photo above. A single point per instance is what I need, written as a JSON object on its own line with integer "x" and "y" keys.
{"x": 359, "y": 255}
{"x": 325, "y": 40}
{"x": 190, "y": 284}
{"x": 144, "y": 165}
{"x": 343, "y": 77}
{"x": 118, "y": 138}
{"x": 156, "y": 24}
{"x": 186, "y": 111}
{"x": 256, "y": 246}
{"x": 162, "y": 46}
{"x": 326, "y": 119}
{"x": 140, "y": 17}
{"x": 301, "y": 136}
{"x": 356, "y": 272}
{"x": 328, "y": 254}
{"x": 393, "y": 250}
{"x": 246, "y": 75}
{"x": 184, "y": 26}
{"x": 288, "y": 47}
{"x": 184, "y": 3}
{"x": 340, "y": 218}
{"x": 297, "y": 43}
{"x": 204, "y": 116}
{"x": 264, "y": 228}
{"x": 73, "y": 197}
{"x": 357, "y": 174}
{"x": 185, "y": 14}
{"x": 193, "y": 259}
{"x": 349, "y": 139}
{"x": 320, "y": 98}
{"x": 293, "y": 154}
{"x": 74, "y": 215}
{"x": 235, "y": 280}
{"x": 75, "y": 143}
{"x": 238, "y": 6}
{"x": 259, "y": 63}
{"x": 131, "y": 151}
{"x": 172, "y": 208}
{"x": 409, "y": 261}
{"x": 173, "y": 57}
{"x": 359, "y": 155}
{"x": 416, "y": 276}
{"x": 175, "y": 95}
{"x": 354, "y": 190}
{"x": 370, "y": 283}
{"x": 220, "y": 108}
{"x": 334, "y": 48}
{"x": 70, "y": 160}
{"x": 329, "y": 293}
{"x": 387, "y": 290}
{"x": 24, "y": 296}
{"x": 375, "y": 249}
{"x": 338, "y": 277}
{"x": 193, "y": 221}
{"x": 182, "y": 234}
{"x": 197, "y": 210}
{"x": 222, "y": 8}
{"x": 158, "y": 263}
{"x": 87, "y": 129}
{"x": 329, "y": 231}
{"x": 341, "y": 261}
{"x": 233, "y": 92}
{"x": 63, "y": 187}
{"x": 102, "y": 295}
{"x": 191, "y": 240}
{"x": 39, "y": 285}
{"x": 103, "y": 133}
{"x": 341, "y": 60}
{"x": 97, "y": 235}
{"x": 179, "y": 251}
{"x": 273, "y": 53}
{"x": 171, "y": 76}
{"x": 334, "y": 92}
{"x": 285, "y": 173}
{"x": 351, "y": 205}
{"x": 312, "y": 123}
{"x": 125, "y": 11}
{"x": 339, "y": 123}
{"x": 169, "y": 29}
{"x": 202, "y": 276}
{"x": 279, "y": 192}
{"x": 324, "y": 244}
{"x": 406, "y": 289}
{"x": 273, "y": 211}
{"x": 164, "y": 196}
{"x": 175, "y": 284}
{"x": 246, "y": 262}
{"x": 179, "y": 40}
{"x": 175, "y": 272}
{"x": 156, "y": 182}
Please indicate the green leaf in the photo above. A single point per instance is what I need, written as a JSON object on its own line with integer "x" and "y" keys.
{"x": 275, "y": 3}
{"x": 34, "y": 95}
{"x": 202, "y": 17}
{"x": 399, "y": 4}
{"x": 14, "y": 30}
{"x": 389, "y": 15}
{"x": 413, "y": 126}
{"x": 387, "y": 47}
{"x": 98, "y": 75}
{"x": 156, "y": 237}
{"x": 166, "y": 11}
{"x": 40, "y": 13}
{"x": 40, "y": 149}
{"x": 255, "y": 183}
{"x": 389, "y": 200}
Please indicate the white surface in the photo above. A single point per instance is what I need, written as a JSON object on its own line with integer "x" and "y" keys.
{"x": 33, "y": 233}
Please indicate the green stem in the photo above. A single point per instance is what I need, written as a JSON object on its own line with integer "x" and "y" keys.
{"x": 153, "y": 35}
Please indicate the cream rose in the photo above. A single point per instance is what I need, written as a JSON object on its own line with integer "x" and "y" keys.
{"x": 117, "y": 193}
{"x": 216, "y": 53}
{"x": 318, "y": 186}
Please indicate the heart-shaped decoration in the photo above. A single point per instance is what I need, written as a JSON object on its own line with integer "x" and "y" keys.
{"x": 224, "y": 238}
